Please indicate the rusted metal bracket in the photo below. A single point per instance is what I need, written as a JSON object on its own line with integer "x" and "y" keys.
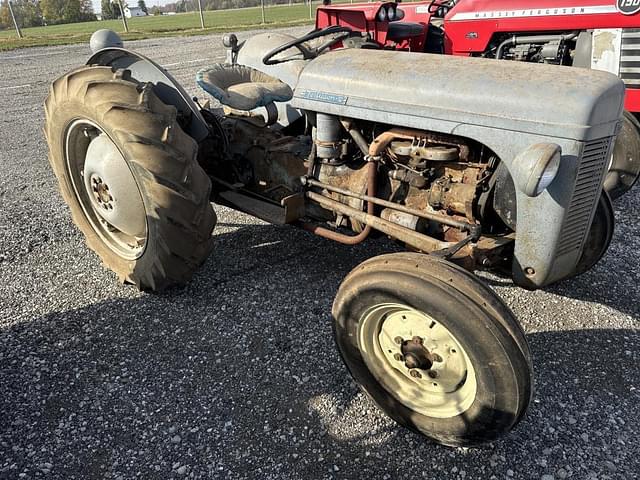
{"x": 455, "y": 248}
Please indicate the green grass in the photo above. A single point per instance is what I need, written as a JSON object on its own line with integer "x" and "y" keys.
{"x": 160, "y": 26}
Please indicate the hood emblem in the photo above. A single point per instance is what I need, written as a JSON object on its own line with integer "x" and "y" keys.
{"x": 628, "y": 7}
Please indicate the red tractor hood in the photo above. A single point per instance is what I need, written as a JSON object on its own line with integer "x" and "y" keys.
{"x": 471, "y": 24}
{"x": 479, "y": 9}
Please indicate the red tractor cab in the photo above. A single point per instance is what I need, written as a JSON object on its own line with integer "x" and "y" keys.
{"x": 595, "y": 34}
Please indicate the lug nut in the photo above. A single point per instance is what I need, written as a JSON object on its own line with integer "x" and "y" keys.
{"x": 397, "y": 357}
{"x": 415, "y": 374}
{"x": 398, "y": 340}
{"x": 432, "y": 374}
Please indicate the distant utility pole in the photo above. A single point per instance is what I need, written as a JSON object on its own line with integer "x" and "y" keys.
{"x": 124, "y": 17}
{"x": 262, "y": 8}
{"x": 201, "y": 15}
{"x": 15, "y": 24}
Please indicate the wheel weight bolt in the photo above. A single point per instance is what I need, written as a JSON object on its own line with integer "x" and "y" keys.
{"x": 415, "y": 374}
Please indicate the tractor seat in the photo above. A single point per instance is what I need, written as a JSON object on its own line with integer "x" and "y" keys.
{"x": 398, "y": 31}
{"x": 241, "y": 87}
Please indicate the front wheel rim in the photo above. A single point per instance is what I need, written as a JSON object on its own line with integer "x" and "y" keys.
{"x": 442, "y": 387}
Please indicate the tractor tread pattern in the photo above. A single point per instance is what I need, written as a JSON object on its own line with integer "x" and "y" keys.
{"x": 163, "y": 158}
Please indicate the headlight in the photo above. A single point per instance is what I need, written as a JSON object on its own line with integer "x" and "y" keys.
{"x": 382, "y": 15}
{"x": 534, "y": 169}
{"x": 391, "y": 13}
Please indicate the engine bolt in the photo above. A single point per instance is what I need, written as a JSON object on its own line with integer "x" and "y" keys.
{"x": 415, "y": 374}
{"x": 398, "y": 340}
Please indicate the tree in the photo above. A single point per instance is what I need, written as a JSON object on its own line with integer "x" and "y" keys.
{"x": 143, "y": 6}
{"x": 67, "y": 11}
{"x": 5, "y": 16}
{"x": 115, "y": 6}
{"x": 52, "y": 10}
{"x": 155, "y": 10}
{"x": 107, "y": 10}
{"x": 27, "y": 12}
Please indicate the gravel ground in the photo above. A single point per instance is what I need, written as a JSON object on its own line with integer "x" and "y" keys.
{"x": 236, "y": 375}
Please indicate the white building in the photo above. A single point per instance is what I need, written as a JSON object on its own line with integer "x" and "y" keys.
{"x": 133, "y": 12}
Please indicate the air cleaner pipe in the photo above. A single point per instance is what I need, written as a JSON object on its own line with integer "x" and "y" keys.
{"x": 356, "y": 135}
{"x": 412, "y": 238}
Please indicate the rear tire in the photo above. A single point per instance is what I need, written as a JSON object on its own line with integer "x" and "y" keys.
{"x": 479, "y": 382}
{"x": 173, "y": 224}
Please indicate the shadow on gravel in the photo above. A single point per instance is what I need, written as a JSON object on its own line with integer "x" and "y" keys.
{"x": 236, "y": 376}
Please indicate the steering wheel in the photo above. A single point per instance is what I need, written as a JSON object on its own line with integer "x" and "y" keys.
{"x": 436, "y": 5}
{"x": 307, "y": 52}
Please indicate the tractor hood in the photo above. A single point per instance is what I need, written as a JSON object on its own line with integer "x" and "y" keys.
{"x": 445, "y": 92}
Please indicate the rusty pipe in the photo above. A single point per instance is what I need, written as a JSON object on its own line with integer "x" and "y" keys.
{"x": 372, "y": 168}
{"x": 412, "y": 238}
{"x": 451, "y": 222}
{"x": 382, "y": 141}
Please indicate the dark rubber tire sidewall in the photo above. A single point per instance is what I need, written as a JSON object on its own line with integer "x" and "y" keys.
{"x": 502, "y": 368}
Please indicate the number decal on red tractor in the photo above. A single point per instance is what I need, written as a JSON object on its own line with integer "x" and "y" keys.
{"x": 628, "y": 7}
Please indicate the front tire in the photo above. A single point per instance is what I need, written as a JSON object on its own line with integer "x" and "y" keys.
{"x": 625, "y": 161}
{"x": 130, "y": 176}
{"x": 434, "y": 348}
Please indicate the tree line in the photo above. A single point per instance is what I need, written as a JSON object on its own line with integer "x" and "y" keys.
{"x": 35, "y": 13}
{"x": 191, "y": 5}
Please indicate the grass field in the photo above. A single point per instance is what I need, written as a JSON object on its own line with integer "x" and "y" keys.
{"x": 160, "y": 26}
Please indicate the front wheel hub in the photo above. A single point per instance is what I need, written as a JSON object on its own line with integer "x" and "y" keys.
{"x": 416, "y": 355}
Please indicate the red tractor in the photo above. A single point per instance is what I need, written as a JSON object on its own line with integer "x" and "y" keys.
{"x": 597, "y": 34}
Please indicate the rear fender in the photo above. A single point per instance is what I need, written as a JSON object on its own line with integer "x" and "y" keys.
{"x": 165, "y": 86}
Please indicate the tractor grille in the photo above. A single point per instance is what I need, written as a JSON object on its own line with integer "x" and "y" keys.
{"x": 630, "y": 57}
{"x": 595, "y": 157}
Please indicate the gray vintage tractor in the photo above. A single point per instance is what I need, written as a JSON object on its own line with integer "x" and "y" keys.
{"x": 464, "y": 161}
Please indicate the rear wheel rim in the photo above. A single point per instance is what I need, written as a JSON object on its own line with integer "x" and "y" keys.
{"x": 444, "y": 390}
{"x": 108, "y": 194}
